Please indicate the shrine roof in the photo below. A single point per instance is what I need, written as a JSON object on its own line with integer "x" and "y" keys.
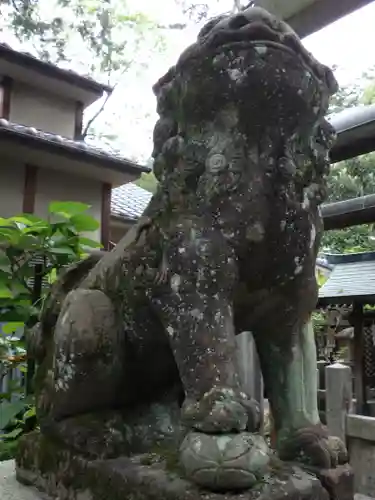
{"x": 351, "y": 280}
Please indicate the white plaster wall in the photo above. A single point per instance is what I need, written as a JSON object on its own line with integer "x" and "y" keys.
{"x": 34, "y": 108}
{"x": 12, "y": 178}
{"x": 57, "y": 186}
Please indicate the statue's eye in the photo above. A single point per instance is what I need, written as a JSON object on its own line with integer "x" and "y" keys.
{"x": 238, "y": 22}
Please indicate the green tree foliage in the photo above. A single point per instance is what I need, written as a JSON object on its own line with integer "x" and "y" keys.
{"x": 148, "y": 182}
{"x": 108, "y": 30}
{"x": 24, "y": 240}
{"x": 354, "y": 177}
{"x": 199, "y": 11}
{"x": 99, "y": 38}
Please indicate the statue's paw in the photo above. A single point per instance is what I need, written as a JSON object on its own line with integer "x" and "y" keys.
{"x": 314, "y": 446}
{"x": 224, "y": 461}
{"x": 222, "y": 410}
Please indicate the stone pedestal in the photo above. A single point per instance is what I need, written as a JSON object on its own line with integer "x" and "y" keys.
{"x": 338, "y": 482}
{"x": 58, "y": 473}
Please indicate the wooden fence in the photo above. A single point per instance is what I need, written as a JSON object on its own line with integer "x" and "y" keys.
{"x": 358, "y": 431}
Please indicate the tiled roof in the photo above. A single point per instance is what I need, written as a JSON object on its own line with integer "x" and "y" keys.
{"x": 353, "y": 277}
{"x": 62, "y": 144}
{"x": 129, "y": 201}
{"x": 29, "y": 61}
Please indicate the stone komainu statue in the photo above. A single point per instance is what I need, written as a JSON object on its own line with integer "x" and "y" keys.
{"x": 136, "y": 350}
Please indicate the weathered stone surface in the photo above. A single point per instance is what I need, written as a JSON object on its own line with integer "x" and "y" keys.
{"x": 338, "y": 482}
{"x": 138, "y": 349}
{"x": 62, "y": 475}
{"x": 362, "y": 458}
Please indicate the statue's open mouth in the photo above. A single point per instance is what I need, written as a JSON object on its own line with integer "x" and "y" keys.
{"x": 263, "y": 43}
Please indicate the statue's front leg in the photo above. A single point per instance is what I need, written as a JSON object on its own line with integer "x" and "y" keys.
{"x": 200, "y": 331}
{"x": 288, "y": 360}
{"x": 196, "y": 311}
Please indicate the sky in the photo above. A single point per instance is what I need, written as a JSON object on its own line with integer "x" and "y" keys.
{"x": 348, "y": 43}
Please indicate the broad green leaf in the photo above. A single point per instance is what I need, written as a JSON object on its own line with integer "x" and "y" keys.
{"x": 19, "y": 290}
{"x": 84, "y": 222}
{"x": 8, "y": 411}
{"x": 28, "y": 220}
{"x": 5, "y": 222}
{"x": 10, "y": 235}
{"x": 5, "y": 262}
{"x": 63, "y": 250}
{"x": 58, "y": 238}
{"x": 52, "y": 276}
{"x": 87, "y": 242}
{"x": 5, "y": 278}
{"x": 64, "y": 228}
{"x": 30, "y": 413}
{"x": 12, "y": 327}
{"x": 13, "y": 434}
{"x": 67, "y": 208}
{"x": 38, "y": 229}
{"x": 29, "y": 242}
{"x": 5, "y": 293}
{"x": 4, "y": 259}
{"x": 16, "y": 314}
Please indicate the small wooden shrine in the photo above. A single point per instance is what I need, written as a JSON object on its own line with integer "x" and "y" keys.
{"x": 352, "y": 284}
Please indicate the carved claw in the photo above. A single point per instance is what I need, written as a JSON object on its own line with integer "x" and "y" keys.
{"x": 314, "y": 446}
{"x": 222, "y": 410}
{"x": 162, "y": 273}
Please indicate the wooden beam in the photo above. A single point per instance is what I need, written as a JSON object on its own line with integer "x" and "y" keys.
{"x": 351, "y": 149}
{"x": 320, "y": 14}
{"x": 6, "y": 87}
{"x": 29, "y": 190}
{"x": 106, "y": 215}
{"x": 358, "y": 369}
{"x": 78, "y": 121}
{"x": 355, "y": 129}
{"x": 348, "y": 213}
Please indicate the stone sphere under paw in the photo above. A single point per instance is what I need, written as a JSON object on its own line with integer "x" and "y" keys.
{"x": 224, "y": 461}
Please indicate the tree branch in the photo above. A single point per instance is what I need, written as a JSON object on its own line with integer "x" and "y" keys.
{"x": 237, "y": 6}
{"x": 173, "y": 26}
{"x": 84, "y": 133}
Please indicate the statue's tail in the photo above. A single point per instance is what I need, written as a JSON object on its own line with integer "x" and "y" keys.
{"x": 38, "y": 336}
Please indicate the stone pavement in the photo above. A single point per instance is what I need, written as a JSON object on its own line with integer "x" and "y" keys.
{"x": 10, "y": 489}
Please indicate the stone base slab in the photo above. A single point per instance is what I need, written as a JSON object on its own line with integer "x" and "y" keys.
{"x": 59, "y": 474}
{"x": 338, "y": 482}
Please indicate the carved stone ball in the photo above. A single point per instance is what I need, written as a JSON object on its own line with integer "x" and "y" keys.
{"x": 224, "y": 462}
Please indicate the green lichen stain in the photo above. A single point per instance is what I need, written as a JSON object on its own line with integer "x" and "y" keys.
{"x": 162, "y": 455}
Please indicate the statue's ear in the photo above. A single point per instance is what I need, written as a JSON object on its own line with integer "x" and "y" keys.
{"x": 209, "y": 25}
